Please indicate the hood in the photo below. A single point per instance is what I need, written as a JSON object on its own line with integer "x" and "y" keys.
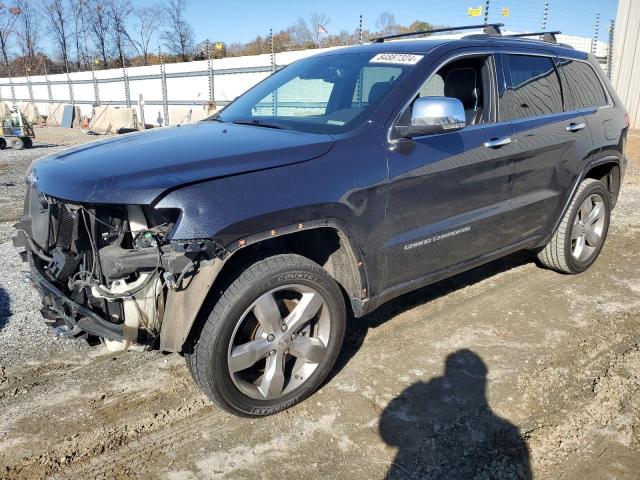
{"x": 136, "y": 168}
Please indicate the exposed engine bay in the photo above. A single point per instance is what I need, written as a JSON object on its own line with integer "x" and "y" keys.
{"x": 107, "y": 270}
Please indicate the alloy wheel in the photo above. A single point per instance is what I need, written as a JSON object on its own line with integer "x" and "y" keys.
{"x": 588, "y": 228}
{"x": 279, "y": 341}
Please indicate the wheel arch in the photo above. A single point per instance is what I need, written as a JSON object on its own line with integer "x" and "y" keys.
{"x": 607, "y": 171}
{"x": 326, "y": 242}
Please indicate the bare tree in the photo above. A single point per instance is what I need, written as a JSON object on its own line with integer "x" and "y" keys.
{"x": 27, "y": 31}
{"x": 318, "y": 26}
{"x": 308, "y": 33}
{"x": 8, "y": 17}
{"x": 119, "y": 12}
{"x": 147, "y": 23}
{"x": 57, "y": 15}
{"x": 178, "y": 36}
{"x": 79, "y": 34}
{"x": 301, "y": 34}
{"x": 386, "y": 24}
{"x": 99, "y": 25}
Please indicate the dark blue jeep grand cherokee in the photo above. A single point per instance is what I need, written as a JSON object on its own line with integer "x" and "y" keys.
{"x": 341, "y": 181}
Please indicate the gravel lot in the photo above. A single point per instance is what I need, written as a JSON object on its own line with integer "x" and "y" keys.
{"x": 506, "y": 371}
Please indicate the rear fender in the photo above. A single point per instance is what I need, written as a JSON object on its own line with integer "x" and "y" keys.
{"x": 583, "y": 174}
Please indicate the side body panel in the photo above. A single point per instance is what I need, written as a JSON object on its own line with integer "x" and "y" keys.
{"x": 606, "y": 122}
{"x": 448, "y": 199}
{"x": 550, "y": 160}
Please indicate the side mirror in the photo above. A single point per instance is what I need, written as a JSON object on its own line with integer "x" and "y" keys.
{"x": 431, "y": 115}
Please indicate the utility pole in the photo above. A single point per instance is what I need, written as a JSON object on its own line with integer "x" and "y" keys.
{"x": 210, "y": 69}
{"x": 545, "y": 15}
{"x": 273, "y": 52}
{"x": 486, "y": 12}
{"x": 69, "y": 82}
{"x": 360, "y": 77}
{"x": 594, "y": 40}
{"x": 612, "y": 26}
{"x": 143, "y": 124}
{"x": 96, "y": 91}
{"x": 274, "y": 105}
{"x": 125, "y": 78}
{"x": 13, "y": 90}
{"x": 30, "y": 87}
{"x": 163, "y": 78}
{"x": 46, "y": 79}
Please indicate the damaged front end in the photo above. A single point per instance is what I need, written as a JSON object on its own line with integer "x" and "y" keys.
{"x": 112, "y": 271}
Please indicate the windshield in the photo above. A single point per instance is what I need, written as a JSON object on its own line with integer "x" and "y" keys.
{"x": 325, "y": 94}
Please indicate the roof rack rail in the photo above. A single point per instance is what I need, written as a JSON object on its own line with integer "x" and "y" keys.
{"x": 490, "y": 29}
{"x": 549, "y": 37}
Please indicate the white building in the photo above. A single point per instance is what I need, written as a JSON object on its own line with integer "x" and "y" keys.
{"x": 626, "y": 58}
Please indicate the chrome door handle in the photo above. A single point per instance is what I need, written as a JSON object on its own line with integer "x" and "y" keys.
{"x": 574, "y": 127}
{"x": 497, "y": 142}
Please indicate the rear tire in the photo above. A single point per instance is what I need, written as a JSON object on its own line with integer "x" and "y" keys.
{"x": 272, "y": 337}
{"x": 580, "y": 237}
{"x": 28, "y": 143}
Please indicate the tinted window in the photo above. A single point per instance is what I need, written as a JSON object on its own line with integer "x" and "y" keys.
{"x": 586, "y": 90}
{"x": 468, "y": 80}
{"x": 434, "y": 87}
{"x": 300, "y": 97}
{"x": 373, "y": 79}
{"x": 536, "y": 87}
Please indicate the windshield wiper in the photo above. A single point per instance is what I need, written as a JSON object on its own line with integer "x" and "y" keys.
{"x": 259, "y": 123}
{"x": 215, "y": 118}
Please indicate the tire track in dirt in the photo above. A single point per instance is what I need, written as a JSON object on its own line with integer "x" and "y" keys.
{"x": 119, "y": 424}
{"x": 124, "y": 459}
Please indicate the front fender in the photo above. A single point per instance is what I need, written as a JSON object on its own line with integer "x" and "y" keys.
{"x": 339, "y": 186}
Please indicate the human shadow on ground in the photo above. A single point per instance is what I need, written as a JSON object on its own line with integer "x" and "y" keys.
{"x": 445, "y": 429}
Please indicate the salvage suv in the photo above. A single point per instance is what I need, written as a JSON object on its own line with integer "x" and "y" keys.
{"x": 344, "y": 180}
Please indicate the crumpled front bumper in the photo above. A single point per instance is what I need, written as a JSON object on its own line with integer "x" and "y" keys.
{"x": 66, "y": 317}
{"x": 189, "y": 268}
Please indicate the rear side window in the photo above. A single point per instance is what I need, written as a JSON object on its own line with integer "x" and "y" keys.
{"x": 536, "y": 86}
{"x": 585, "y": 88}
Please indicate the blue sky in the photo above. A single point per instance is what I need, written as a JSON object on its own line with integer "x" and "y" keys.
{"x": 243, "y": 20}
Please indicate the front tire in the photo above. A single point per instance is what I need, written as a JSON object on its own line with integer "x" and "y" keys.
{"x": 17, "y": 144}
{"x": 583, "y": 230}
{"x": 272, "y": 337}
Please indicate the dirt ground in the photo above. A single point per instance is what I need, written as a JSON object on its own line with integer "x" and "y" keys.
{"x": 506, "y": 371}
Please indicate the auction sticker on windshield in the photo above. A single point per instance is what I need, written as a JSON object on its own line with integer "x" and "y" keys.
{"x": 397, "y": 58}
